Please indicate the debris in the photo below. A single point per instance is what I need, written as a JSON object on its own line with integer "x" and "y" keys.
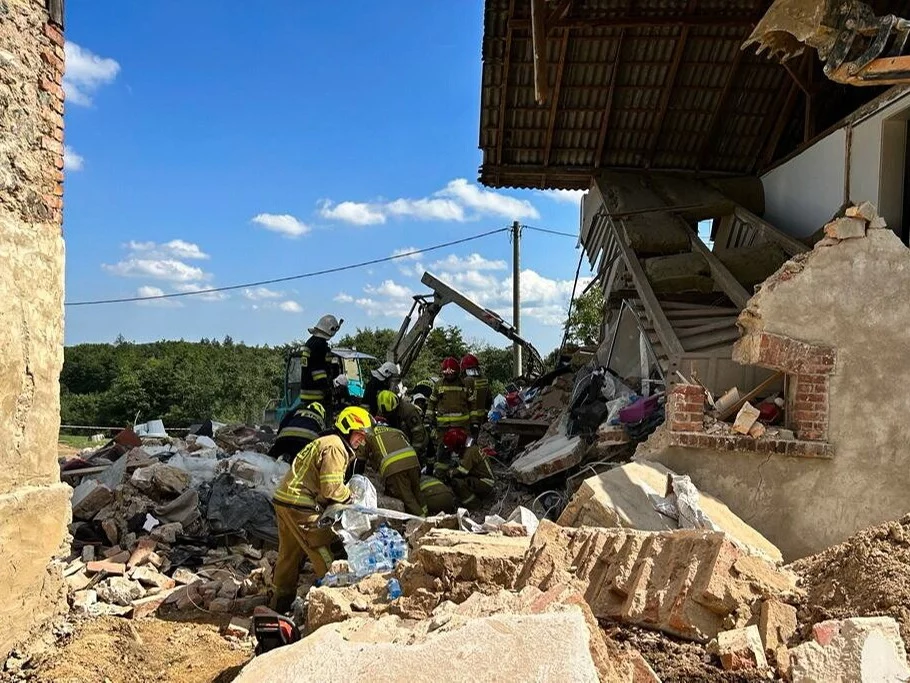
{"x": 740, "y": 649}
{"x": 622, "y": 498}
{"x": 863, "y": 649}
{"x": 548, "y": 456}
{"x": 184, "y": 576}
{"x": 88, "y": 553}
{"x": 151, "y": 577}
{"x": 84, "y": 600}
{"x": 776, "y": 624}
{"x": 167, "y": 533}
{"x": 845, "y": 228}
{"x": 89, "y": 497}
{"x": 757, "y": 430}
{"x": 118, "y": 590}
{"x": 143, "y": 607}
{"x": 238, "y": 627}
{"x": 745, "y": 418}
{"x": 144, "y": 548}
{"x": 112, "y": 568}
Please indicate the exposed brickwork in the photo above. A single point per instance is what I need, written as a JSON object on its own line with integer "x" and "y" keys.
{"x": 787, "y": 355}
{"x": 686, "y": 408}
{"x": 735, "y": 442}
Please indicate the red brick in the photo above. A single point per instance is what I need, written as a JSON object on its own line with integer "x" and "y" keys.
{"x": 114, "y": 568}
{"x": 141, "y": 553}
{"x": 49, "y": 86}
{"x": 54, "y": 33}
{"x": 50, "y": 57}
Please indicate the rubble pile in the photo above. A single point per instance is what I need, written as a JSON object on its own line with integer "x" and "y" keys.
{"x": 171, "y": 524}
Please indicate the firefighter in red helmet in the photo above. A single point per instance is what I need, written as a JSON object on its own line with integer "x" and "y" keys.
{"x": 450, "y": 403}
{"x": 478, "y": 391}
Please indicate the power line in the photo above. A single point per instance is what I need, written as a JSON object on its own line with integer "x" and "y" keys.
{"x": 550, "y": 232}
{"x": 289, "y": 278}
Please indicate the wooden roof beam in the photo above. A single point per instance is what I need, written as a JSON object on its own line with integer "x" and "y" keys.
{"x": 539, "y": 49}
{"x": 558, "y": 14}
{"x": 506, "y": 61}
{"x": 719, "y": 110}
{"x": 644, "y": 21}
{"x": 669, "y": 85}
{"x": 608, "y": 107}
{"x": 770, "y": 137}
{"x": 554, "y": 101}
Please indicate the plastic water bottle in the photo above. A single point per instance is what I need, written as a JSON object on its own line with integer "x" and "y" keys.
{"x": 394, "y": 589}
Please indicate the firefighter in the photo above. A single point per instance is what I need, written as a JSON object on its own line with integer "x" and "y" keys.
{"x": 382, "y": 378}
{"x": 314, "y": 482}
{"x": 314, "y": 364}
{"x": 437, "y": 496}
{"x": 471, "y": 476}
{"x": 448, "y": 406}
{"x": 479, "y": 390}
{"x": 297, "y": 430}
{"x": 402, "y": 414}
{"x": 396, "y": 461}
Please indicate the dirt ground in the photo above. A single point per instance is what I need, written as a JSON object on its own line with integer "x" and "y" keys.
{"x": 867, "y": 575}
{"x": 117, "y": 650}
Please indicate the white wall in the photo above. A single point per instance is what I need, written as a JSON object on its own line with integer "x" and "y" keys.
{"x": 802, "y": 194}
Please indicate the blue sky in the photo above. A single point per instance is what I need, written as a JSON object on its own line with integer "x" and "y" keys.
{"x": 210, "y": 145}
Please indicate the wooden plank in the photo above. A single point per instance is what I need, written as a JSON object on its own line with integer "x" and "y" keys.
{"x": 733, "y": 409}
{"x": 503, "y": 88}
{"x": 746, "y": 20}
{"x": 723, "y": 238}
{"x": 554, "y": 101}
{"x": 608, "y": 107}
{"x": 66, "y": 474}
{"x": 708, "y": 340}
{"x": 789, "y": 244}
{"x": 722, "y": 276}
{"x": 539, "y": 49}
{"x": 558, "y": 14}
{"x": 716, "y": 324}
{"x": 721, "y": 106}
{"x": 55, "y": 12}
{"x": 668, "y": 340}
{"x": 667, "y": 92}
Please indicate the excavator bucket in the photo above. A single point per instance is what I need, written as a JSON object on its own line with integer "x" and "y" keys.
{"x": 789, "y": 25}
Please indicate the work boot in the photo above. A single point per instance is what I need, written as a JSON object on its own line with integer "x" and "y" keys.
{"x": 282, "y": 604}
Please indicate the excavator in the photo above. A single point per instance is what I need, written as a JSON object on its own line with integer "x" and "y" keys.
{"x": 855, "y": 46}
{"x": 405, "y": 348}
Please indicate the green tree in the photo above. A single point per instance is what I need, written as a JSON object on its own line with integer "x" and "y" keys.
{"x": 587, "y": 317}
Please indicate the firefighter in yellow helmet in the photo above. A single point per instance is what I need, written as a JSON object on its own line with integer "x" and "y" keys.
{"x": 396, "y": 461}
{"x": 404, "y": 415}
{"x": 297, "y": 430}
{"x": 314, "y": 482}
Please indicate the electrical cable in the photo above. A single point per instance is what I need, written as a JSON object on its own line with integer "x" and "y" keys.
{"x": 550, "y": 232}
{"x": 289, "y": 278}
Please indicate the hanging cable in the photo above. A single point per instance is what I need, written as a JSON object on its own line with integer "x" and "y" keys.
{"x": 565, "y": 334}
{"x": 550, "y": 232}
{"x": 289, "y": 278}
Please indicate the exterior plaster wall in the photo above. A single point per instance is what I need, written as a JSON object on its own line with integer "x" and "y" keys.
{"x": 851, "y": 296}
{"x": 34, "y": 505}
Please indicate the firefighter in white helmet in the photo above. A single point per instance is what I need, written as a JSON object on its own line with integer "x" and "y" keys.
{"x": 314, "y": 365}
{"x": 382, "y": 378}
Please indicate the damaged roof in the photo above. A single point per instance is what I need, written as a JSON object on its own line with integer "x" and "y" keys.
{"x": 660, "y": 85}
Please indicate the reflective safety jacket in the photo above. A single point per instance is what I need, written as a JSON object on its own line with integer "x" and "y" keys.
{"x": 316, "y": 477}
{"x": 437, "y": 496}
{"x": 481, "y": 400}
{"x": 409, "y": 420}
{"x": 390, "y": 451}
{"x": 450, "y": 405}
{"x": 302, "y": 424}
{"x": 473, "y": 464}
{"x": 314, "y": 375}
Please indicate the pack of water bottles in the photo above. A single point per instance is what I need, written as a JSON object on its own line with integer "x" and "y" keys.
{"x": 380, "y": 552}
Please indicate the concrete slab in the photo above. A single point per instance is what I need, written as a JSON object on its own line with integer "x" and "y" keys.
{"x": 547, "y": 457}
{"x": 619, "y": 498}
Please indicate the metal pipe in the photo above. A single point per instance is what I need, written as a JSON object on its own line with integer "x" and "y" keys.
{"x": 516, "y": 294}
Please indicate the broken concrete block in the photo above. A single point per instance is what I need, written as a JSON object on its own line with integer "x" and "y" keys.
{"x": 549, "y": 456}
{"x": 167, "y": 533}
{"x": 109, "y": 526}
{"x": 151, "y": 577}
{"x": 757, "y": 430}
{"x": 141, "y": 553}
{"x": 84, "y": 600}
{"x": 77, "y": 582}
{"x": 622, "y": 498}
{"x": 88, "y": 553}
{"x": 238, "y": 627}
{"x": 88, "y": 499}
{"x": 845, "y": 228}
{"x": 119, "y": 590}
{"x": 148, "y": 605}
{"x": 221, "y": 605}
{"x": 740, "y": 649}
{"x": 776, "y": 624}
{"x": 107, "y": 553}
{"x": 865, "y": 211}
{"x": 73, "y": 567}
{"x": 160, "y": 479}
{"x": 878, "y": 223}
{"x": 112, "y": 568}
{"x": 119, "y": 558}
{"x": 635, "y": 577}
{"x": 862, "y": 649}
{"x": 745, "y": 418}
{"x": 367, "y": 649}
{"x": 184, "y": 576}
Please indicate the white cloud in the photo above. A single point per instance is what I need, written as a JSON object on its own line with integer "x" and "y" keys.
{"x": 260, "y": 293}
{"x": 71, "y": 160}
{"x": 159, "y": 269}
{"x": 147, "y": 290}
{"x": 208, "y": 296}
{"x": 343, "y": 298}
{"x": 487, "y": 201}
{"x": 564, "y": 196}
{"x": 85, "y": 73}
{"x": 290, "y": 307}
{"x": 390, "y": 289}
{"x": 356, "y": 213}
{"x": 453, "y": 263}
{"x": 458, "y": 201}
{"x": 406, "y": 250}
{"x": 284, "y": 224}
{"x": 388, "y": 299}
{"x": 178, "y": 249}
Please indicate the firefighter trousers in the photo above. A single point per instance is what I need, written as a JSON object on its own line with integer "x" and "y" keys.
{"x": 405, "y": 486}
{"x": 298, "y": 535}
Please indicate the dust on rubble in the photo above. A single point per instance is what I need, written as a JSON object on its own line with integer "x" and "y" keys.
{"x": 677, "y": 661}
{"x": 866, "y": 575}
{"x": 145, "y": 650}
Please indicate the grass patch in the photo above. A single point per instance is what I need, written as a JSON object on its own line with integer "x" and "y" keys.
{"x": 75, "y": 441}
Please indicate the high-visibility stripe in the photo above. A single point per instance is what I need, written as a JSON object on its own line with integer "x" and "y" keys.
{"x": 448, "y": 387}
{"x": 295, "y": 500}
{"x": 326, "y": 554}
{"x": 469, "y": 499}
{"x": 490, "y": 482}
{"x": 311, "y": 395}
{"x": 331, "y": 477}
{"x": 462, "y": 470}
{"x": 298, "y": 432}
{"x": 478, "y": 413}
{"x": 451, "y": 418}
{"x": 396, "y": 456}
{"x": 430, "y": 484}
{"x": 319, "y": 374}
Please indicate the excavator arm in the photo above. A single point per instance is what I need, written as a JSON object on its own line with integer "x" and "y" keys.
{"x": 856, "y": 46}
{"x": 419, "y": 321}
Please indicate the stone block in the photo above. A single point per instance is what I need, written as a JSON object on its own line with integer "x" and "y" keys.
{"x": 143, "y": 607}
{"x": 88, "y": 499}
{"x": 184, "y": 576}
{"x": 846, "y": 228}
{"x": 119, "y": 558}
{"x": 119, "y": 590}
{"x": 84, "y": 601}
{"x": 88, "y": 553}
{"x": 141, "y": 553}
{"x": 686, "y": 582}
{"x": 108, "y": 553}
{"x": 776, "y": 624}
{"x": 238, "y": 627}
{"x": 77, "y": 582}
{"x": 862, "y": 649}
{"x": 112, "y": 568}
{"x": 221, "y": 605}
{"x": 740, "y": 649}
{"x": 547, "y": 457}
{"x": 167, "y": 533}
{"x": 865, "y": 211}
{"x": 152, "y": 577}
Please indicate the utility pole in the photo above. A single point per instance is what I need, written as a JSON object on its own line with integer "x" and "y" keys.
{"x": 516, "y": 294}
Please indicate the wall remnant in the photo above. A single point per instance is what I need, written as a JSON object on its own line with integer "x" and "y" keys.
{"x": 34, "y": 505}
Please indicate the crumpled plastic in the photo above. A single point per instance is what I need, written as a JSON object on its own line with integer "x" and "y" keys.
{"x": 354, "y": 524}
{"x": 682, "y": 504}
